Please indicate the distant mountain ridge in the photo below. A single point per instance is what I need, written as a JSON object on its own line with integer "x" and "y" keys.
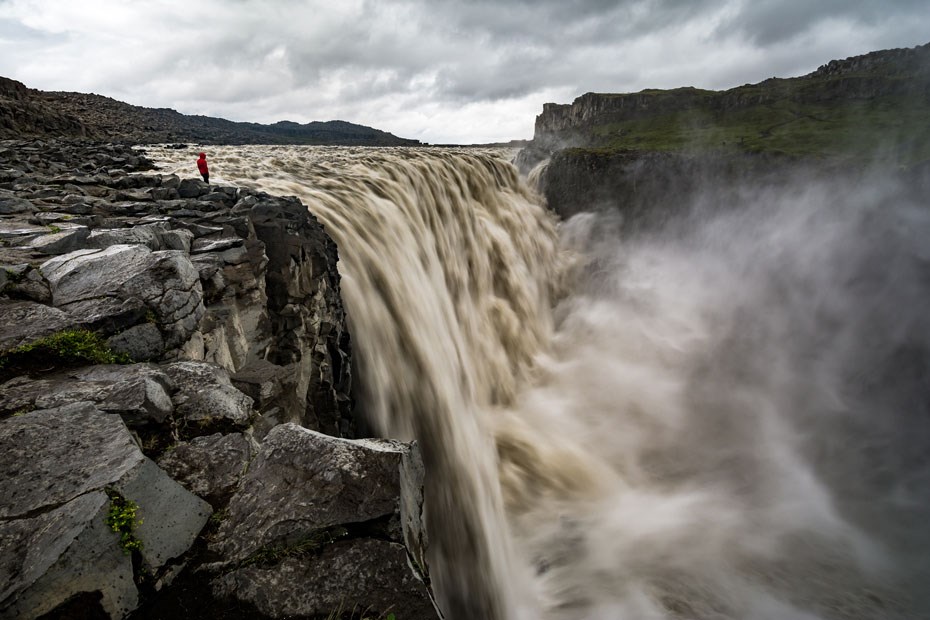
{"x": 26, "y": 112}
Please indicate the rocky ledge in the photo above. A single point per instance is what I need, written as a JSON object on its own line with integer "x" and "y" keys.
{"x": 176, "y": 425}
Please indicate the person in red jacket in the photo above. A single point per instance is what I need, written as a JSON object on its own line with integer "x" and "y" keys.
{"x": 202, "y": 166}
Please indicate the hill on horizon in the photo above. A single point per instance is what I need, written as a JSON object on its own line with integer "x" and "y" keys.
{"x": 31, "y": 113}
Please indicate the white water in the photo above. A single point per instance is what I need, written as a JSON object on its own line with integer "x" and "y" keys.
{"x": 724, "y": 419}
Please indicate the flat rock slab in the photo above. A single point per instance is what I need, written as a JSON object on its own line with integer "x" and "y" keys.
{"x": 54, "y": 540}
{"x": 53, "y": 456}
{"x": 303, "y": 481}
{"x": 139, "y": 393}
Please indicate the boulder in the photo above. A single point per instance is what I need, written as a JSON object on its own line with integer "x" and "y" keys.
{"x": 165, "y": 281}
{"x": 139, "y": 393}
{"x": 141, "y": 342}
{"x": 192, "y": 188}
{"x": 61, "y": 242}
{"x": 304, "y": 481}
{"x": 320, "y": 509}
{"x": 206, "y": 400}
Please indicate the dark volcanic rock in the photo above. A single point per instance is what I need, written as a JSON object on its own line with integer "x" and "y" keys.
{"x": 373, "y": 574}
{"x": 54, "y": 538}
{"x": 232, "y": 296}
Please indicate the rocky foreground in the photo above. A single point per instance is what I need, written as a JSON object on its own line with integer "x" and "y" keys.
{"x": 175, "y": 410}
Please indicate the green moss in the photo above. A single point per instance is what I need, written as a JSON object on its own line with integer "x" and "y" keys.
{"x": 122, "y": 519}
{"x": 795, "y": 119}
{"x": 66, "y": 347}
{"x": 54, "y": 229}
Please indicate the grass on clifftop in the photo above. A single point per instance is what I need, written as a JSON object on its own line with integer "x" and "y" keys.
{"x": 797, "y": 117}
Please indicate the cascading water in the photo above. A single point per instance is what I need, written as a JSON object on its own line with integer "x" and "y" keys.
{"x": 725, "y": 418}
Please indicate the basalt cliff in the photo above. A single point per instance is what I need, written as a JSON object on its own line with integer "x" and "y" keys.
{"x": 177, "y": 433}
{"x": 632, "y": 152}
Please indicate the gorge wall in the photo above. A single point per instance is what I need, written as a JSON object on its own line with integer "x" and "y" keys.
{"x": 636, "y": 148}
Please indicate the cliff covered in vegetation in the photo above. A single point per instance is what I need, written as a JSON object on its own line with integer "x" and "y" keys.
{"x": 848, "y": 113}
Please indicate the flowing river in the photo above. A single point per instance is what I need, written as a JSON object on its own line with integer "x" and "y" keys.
{"x": 726, "y": 418}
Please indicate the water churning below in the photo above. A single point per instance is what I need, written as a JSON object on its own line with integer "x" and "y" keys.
{"x": 723, "y": 418}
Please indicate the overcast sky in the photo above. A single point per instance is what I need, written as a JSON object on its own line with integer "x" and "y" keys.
{"x": 441, "y": 71}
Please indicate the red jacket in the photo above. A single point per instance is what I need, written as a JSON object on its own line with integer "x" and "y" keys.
{"x": 202, "y": 164}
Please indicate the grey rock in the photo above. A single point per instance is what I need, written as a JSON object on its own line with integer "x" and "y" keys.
{"x": 10, "y": 205}
{"x": 134, "y": 195}
{"x": 25, "y": 282}
{"x": 305, "y": 311}
{"x": 139, "y": 393}
{"x": 177, "y": 240}
{"x": 172, "y": 517}
{"x": 61, "y": 242}
{"x": 265, "y": 383}
{"x": 165, "y": 281}
{"x": 148, "y": 235}
{"x": 13, "y": 231}
{"x": 211, "y": 466}
{"x": 372, "y": 574}
{"x": 206, "y": 398}
{"x": 53, "y": 456}
{"x": 192, "y": 188}
{"x": 18, "y": 395}
{"x": 109, "y": 315}
{"x": 215, "y": 197}
{"x": 47, "y": 559}
{"x": 303, "y": 481}
{"x": 47, "y": 218}
{"x": 141, "y": 342}
{"x": 53, "y": 508}
{"x": 23, "y": 322}
{"x": 215, "y": 245}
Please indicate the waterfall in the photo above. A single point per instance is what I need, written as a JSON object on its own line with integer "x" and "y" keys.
{"x": 724, "y": 418}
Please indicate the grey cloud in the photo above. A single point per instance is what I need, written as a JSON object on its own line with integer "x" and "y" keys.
{"x": 768, "y": 22}
{"x": 425, "y": 59}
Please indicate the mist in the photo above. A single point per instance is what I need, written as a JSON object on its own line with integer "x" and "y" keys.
{"x": 741, "y": 395}
{"x": 719, "y": 413}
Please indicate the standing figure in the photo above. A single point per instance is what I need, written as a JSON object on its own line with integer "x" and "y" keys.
{"x": 202, "y": 166}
